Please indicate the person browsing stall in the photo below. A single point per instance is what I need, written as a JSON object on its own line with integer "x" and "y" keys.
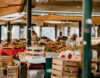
{"x": 35, "y": 38}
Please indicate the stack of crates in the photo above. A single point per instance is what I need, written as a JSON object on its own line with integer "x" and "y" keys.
{"x": 12, "y": 72}
{"x": 6, "y": 60}
{"x": 65, "y": 69}
{"x": 94, "y": 62}
{"x": 7, "y": 67}
{"x": 2, "y": 73}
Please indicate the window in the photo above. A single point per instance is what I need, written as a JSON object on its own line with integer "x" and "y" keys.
{"x": 15, "y": 32}
{"x": 74, "y": 30}
{"x": 49, "y": 32}
{"x": 4, "y": 34}
{"x": 37, "y": 30}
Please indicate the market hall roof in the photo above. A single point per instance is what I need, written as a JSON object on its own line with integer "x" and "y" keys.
{"x": 69, "y": 8}
{"x": 53, "y": 17}
{"x": 64, "y": 7}
{"x": 10, "y": 6}
{"x": 13, "y": 6}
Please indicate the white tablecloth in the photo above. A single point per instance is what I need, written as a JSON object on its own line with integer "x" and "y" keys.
{"x": 35, "y": 59}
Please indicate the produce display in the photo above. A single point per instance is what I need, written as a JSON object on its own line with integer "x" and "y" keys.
{"x": 4, "y": 44}
{"x": 14, "y": 44}
{"x": 6, "y": 61}
{"x": 58, "y": 47}
{"x": 35, "y": 51}
{"x": 18, "y": 44}
{"x": 8, "y": 67}
{"x": 68, "y": 49}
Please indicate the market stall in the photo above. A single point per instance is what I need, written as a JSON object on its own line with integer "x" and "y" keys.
{"x": 10, "y": 51}
{"x": 64, "y": 55}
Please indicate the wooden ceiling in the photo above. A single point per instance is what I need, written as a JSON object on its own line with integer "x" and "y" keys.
{"x": 66, "y": 6}
{"x": 13, "y": 6}
{"x": 10, "y": 6}
{"x": 51, "y": 17}
{"x": 72, "y": 0}
{"x": 72, "y": 6}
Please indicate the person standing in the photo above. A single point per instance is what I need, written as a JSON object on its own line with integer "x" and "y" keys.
{"x": 35, "y": 38}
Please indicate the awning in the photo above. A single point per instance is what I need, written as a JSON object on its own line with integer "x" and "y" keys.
{"x": 64, "y": 7}
{"x": 10, "y": 6}
{"x": 52, "y": 17}
{"x": 64, "y": 11}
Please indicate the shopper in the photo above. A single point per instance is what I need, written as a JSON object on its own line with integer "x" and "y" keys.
{"x": 35, "y": 38}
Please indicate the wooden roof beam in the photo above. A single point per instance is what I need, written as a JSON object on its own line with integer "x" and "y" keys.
{"x": 23, "y": 6}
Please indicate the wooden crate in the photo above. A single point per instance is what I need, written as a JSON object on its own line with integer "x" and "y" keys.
{"x": 93, "y": 67}
{"x": 6, "y": 60}
{"x": 64, "y": 69}
{"x": 65, "y": 62}
{"x": 12, "y": 72}
{"x": 53, "y": 76}
{"x": 2, "y": 73}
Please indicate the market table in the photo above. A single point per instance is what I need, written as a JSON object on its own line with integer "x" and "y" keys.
{"x": 11, "y": 51}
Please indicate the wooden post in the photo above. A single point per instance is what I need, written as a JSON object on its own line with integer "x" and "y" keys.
{"x": 40, "y": 31}
{"x": 29, "y": 29}
{"x": 98, "y": 31}
{"x": 69, "y": 28}
{"x": 9, "y": 32}
{"x": 0, "y": 33}
{"x": 21, "y": 32}
{"x": 55, "y": 31}
{"x": 80, "y": 28}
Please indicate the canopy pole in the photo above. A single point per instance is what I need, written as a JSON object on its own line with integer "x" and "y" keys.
{"x": 55, "y": 31}
{"x": 0, "y": 32}
{"x": 69, "y": 30}
{"x": 40, "y": 31}
{"x": 87, "y": 23}
{"x": 21, "y": 32}
{"x": 8, "y": 32}
{"x": 80, "y": 28}
{"x": 29, "y": 29}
